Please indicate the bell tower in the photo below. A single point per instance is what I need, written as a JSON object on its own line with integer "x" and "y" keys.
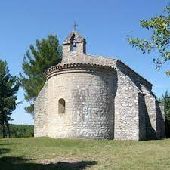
{"x": 74, "y": 43}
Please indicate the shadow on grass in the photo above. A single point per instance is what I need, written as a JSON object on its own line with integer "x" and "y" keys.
{"x": 19, "y": 163}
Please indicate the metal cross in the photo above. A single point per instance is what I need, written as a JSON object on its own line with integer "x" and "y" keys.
{"x": 75, "y": 27}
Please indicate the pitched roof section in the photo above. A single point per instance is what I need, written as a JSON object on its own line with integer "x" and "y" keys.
{"x": 78, "y": 38}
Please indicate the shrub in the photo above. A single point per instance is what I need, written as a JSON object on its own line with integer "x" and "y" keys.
{"x": 20, "y": 131}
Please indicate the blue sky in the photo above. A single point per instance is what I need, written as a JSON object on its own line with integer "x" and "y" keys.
{"x": 105, "y": 24}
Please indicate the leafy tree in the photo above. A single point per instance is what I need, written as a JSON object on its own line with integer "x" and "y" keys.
{"x": 166, "y": 101}
{"x": 39, "y": 57}
{"x": 159, "y": 40}
{"x": 9, "y": 86}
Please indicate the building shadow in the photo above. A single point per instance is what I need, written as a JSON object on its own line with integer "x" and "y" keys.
{"x": 146, "y": 131}
{"x": 160, "y": 121}
{"x": 20, "y": 163}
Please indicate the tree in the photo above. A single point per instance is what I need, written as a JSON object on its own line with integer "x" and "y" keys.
{"x": 9, "y": 86}
{"x": 160, "y": 38}
{"x": 45, "y": 53}
{"x": 166, "y": 102}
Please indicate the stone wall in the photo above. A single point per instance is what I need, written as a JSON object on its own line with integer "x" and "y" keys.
{"x": 115, "y": 103}
{"x": 126, "y": 109}
{"x": 147, "y": 110}
{"x": 40, "y": 110}
{"x": 151, "y": 122}
{"x": 89, "y": 96}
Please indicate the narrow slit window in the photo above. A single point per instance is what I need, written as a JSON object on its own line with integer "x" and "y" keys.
{"x": 73, "y": 44}
{"x": 61, "y": 106}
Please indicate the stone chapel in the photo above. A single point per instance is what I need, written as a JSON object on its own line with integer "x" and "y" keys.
{"x": 88, "y": 96}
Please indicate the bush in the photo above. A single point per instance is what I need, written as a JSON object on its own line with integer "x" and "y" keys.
{"x": 20, "y": 131}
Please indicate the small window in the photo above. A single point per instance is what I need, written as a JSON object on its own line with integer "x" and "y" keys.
{"x": 61, "y": 106}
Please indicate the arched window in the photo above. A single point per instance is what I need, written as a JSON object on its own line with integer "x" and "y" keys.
{"x": 61, "y": 106}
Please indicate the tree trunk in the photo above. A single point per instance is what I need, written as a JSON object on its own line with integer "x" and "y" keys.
{"x": 3, "y": 130}
{"x": 167, "y": 128}
{"x": 8, "y": 130}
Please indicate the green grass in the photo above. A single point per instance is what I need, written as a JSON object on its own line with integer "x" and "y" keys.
{"x": 78, "y": 154}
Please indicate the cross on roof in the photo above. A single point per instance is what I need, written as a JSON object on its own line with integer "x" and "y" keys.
{"x": 75, "y": 27}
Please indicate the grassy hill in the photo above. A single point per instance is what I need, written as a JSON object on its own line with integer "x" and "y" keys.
{"x": 78, "y": 154}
